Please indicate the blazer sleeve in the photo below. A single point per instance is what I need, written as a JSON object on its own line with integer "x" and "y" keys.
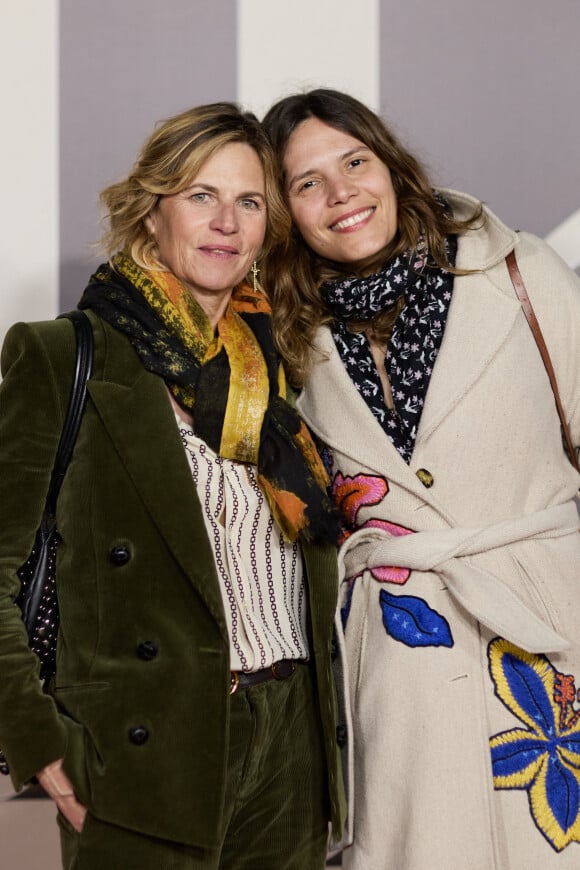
{"x": 33, "y": 397}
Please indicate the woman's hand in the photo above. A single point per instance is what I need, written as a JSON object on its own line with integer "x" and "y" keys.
{"x": 58, "y": 786}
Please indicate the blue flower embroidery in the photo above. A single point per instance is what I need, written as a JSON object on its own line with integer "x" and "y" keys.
{"x": 413, "y": 622}
{"x": 544, "y": 757}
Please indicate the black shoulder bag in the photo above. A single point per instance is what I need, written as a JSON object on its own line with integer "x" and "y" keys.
{"x": 37, "y": 598}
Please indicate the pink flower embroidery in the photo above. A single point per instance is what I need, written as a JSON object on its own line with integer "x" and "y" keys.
{"x": 352, "y": 493}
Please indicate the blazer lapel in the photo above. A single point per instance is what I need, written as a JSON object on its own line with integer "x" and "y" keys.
{"x": 157, "y": 465}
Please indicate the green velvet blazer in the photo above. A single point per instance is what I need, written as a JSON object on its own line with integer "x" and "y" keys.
{"x": 135, "y": 565}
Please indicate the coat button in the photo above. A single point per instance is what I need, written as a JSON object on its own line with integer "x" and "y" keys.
{"x": 138, "y": 735}
{"x": 425, "y": 477}
{"x": 119, "y": 556}
{"x": 147, "y": 650}
{"x": 341, "y": 735}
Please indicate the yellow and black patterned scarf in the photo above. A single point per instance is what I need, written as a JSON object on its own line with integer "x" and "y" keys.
{"x": 231, "y": 382}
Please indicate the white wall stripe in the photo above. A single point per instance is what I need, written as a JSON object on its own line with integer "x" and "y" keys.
{"x": 29, "y": 157}
{"x": 285, "y": 47}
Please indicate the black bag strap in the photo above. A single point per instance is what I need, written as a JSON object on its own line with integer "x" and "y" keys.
{"x": 76, "y": 405}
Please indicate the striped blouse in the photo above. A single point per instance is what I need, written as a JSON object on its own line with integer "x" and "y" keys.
{"x": 261, "y": 575}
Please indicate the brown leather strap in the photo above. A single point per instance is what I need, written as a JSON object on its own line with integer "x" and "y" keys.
{"x": 528, "y": 310}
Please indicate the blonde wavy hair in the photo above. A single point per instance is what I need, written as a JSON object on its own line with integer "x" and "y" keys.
{"x": 293, "y": 272}
{"x": 169, "y": 162}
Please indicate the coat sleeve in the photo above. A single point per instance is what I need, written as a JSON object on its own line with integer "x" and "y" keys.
{"x": 554, "y": 290}
{"x": 33, "y": 397}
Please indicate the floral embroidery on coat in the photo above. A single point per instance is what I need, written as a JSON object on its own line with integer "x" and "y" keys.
{"x": 543, "y": 758}
{"x": 413, "y": 622}
{"x": 406, "y": 618}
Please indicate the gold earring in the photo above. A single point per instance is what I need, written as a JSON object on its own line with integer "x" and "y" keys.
{"x": 255, "y": 272}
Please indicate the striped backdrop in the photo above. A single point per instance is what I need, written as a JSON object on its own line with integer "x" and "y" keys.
{"x": 487, "y": 93}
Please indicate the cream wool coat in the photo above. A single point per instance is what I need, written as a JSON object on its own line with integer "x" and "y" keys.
{"x": 468, "y": 631}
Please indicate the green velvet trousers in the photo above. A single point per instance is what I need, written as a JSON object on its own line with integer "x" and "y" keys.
{"x": 276, "y": 808}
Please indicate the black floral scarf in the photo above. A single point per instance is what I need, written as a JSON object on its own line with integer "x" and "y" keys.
{"x": 413, "y": 345}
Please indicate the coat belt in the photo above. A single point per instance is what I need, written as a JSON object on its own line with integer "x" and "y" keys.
{"x": 446, "y": 552}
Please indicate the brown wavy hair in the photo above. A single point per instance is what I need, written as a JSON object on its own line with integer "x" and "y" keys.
{"x": 169, "y": 162}
{"x": 293, "y": 272}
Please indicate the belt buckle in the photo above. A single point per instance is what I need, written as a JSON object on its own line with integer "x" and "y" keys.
{"x": 234, "y": 682}
{"x": 285, "y": 663}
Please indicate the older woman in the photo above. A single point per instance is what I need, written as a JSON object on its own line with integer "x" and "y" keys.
{"x": 191, "y": 723}
{"x": 395, "y": 310}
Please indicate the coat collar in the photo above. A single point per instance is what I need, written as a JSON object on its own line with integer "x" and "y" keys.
{"x": 132, "y": 402}
{"x": 488, "y": 243}
{"x": 340, "y": 417}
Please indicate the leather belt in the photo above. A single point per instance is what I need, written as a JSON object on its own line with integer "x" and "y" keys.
{"x": 278, "y": 671}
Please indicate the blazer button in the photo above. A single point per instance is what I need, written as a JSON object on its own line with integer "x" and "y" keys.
{"x": 425, "y": 477}
{"x": 341, "y": 735}
{"x": 147, "y": 650}
{"x": 333, "y": 649}
{"x": 138, "y": 735}
{"x": 119, "y": 556}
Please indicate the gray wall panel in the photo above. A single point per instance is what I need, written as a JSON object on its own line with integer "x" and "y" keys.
{"x": 487, "y": 94}
{"x": 125, "y": 65}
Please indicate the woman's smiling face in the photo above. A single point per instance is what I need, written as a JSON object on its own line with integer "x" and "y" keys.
{"x": 209, "y": 234}
{"x": 340, "y": 193}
